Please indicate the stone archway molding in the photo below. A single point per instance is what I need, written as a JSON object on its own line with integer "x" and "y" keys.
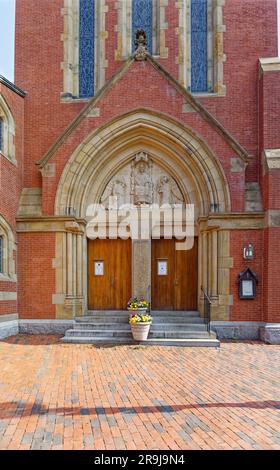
{"x": 177, "y": 149}
{"x": 170, "y": 143}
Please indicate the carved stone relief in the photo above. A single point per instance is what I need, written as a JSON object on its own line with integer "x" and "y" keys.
{"x": 141, "y": 183}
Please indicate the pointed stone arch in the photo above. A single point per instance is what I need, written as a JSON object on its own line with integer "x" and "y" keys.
{"x": 171, "y": 144}
{"x": 180, "y": 153}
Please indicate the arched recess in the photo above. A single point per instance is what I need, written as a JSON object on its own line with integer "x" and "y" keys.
{"x": 8, "y": 131}
{"x": 8, "y": 247}
{"x": 178, "y": 151}
{"x": 172, "y": 145}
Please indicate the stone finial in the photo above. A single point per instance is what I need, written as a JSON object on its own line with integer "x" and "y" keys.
{"x": 141, "y": 51}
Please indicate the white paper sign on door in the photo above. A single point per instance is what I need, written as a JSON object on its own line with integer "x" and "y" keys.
{"x": 162, "y": 268}
{"x": 99, "y": 268}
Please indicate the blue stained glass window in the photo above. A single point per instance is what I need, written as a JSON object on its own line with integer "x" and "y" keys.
{"x": 86, "y": 52}
{"x": 198, "y": 45}
{"x": 142, "y": 18}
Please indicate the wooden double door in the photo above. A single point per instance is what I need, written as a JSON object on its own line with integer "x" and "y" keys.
{"x": 174, "y": 276}
{"x": 109, "y": 274}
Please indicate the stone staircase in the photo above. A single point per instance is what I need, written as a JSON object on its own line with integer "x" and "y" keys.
{"x": 176, "y": 328}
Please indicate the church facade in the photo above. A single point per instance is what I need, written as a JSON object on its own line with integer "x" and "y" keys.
{"x": 146, "y": 102}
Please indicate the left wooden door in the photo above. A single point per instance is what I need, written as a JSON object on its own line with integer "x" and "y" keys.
{"x": 109, "y": 274}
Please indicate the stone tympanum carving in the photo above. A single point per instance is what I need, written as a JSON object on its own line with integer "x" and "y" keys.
{"x": 116, "y": 189}
{"x": 168, "y": 191}
{"x": 141, "y": 180}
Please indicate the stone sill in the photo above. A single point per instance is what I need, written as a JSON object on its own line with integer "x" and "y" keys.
{"x": 270, "y": 64}
{"x": 209, "y": 95}
{"x": 6, "y": 278}
{"x": 72, "y": 100}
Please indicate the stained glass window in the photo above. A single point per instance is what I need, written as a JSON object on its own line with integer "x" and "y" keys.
{"x": 199, "y": 45}
{"x": 142, "y": 18}
{"x": 86, "y": 49}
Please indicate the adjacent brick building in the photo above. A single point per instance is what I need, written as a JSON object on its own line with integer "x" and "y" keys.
{"x": 185, "y": 111}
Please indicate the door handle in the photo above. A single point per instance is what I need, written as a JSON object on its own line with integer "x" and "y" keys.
{"x": 176, "y": 282}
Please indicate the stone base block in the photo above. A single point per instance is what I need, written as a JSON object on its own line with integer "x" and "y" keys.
{"x": 237, "y": 330}
{"x": 270, "y": 333}
{"x": 8, "y": 328}
{"x": 45, "y": 327}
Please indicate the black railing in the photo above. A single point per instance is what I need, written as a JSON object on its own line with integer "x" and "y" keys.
{"x": 207, "y": 309}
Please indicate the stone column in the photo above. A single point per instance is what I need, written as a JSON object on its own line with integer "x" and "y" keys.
{"x": 69, "y": 258}
{"x": 75, "y": 301}
{"x": 209, "y": 262}
{"x": 79, "y": 265}
{"x": 200, "y": 273}
{"x": 214, "y": 264}
{"x": 74, "y": 264}
{"x": 141, "y": 268}
{"x": 204, "y": 261}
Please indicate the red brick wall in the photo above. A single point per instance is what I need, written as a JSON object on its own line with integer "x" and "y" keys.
{"x": 271, "y": 293}
{"x": 251, "y": 33}
{"x": 156, "y": 93}
{"x": 36, "y": 275}
{"x": 269, "y": 88}
{"x": 246, "y": 310}
{"x": 39, "y": 53}
{"x": 270, "y": 103}
{"x": 11, "y": 184}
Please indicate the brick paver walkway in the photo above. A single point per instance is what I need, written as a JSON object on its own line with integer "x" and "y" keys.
{"x": 56, "y": 396}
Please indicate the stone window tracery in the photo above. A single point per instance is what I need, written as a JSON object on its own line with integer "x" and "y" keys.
{"x": 84, "y": 38}
{"x": 142, "y": 18}
{"x": 141, "y": 14}
{"x": 200, "y": 35}
{"x": 7, "y": 247}
{"x": 7, "y": 131}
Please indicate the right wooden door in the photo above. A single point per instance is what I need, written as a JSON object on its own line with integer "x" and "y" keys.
{"x": 174, "y": 276}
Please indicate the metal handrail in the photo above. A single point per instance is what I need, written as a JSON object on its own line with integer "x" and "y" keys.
{"x": 207, "y": 309}
{"x": 205, "y": 293}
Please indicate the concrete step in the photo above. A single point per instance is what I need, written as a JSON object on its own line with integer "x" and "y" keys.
{"x": 126, "y": 326}
{"x": 169, "y": 328}
{"x": 157, "y": 318}
{"x": 104, "y": 341}
{"x": 127, "y": 333}
{"x": 104, "y": 314}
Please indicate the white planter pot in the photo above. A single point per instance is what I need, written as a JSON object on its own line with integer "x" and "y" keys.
{"x": 140, "y": 331}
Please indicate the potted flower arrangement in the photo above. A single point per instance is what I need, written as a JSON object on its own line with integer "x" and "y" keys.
{"x": 140, "y": 325}
{"x": 137, "y": 305}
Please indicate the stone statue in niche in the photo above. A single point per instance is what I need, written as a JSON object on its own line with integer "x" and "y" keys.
{"x": 168, "y": 191}
{"x": 116, "y": 189}
{"x": 141, "y": 180}
{"x": 140, "y": 45}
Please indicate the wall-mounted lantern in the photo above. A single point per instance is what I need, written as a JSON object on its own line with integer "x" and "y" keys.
{"x": 247, "y": 281}
{"x": 248, "y": 252}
